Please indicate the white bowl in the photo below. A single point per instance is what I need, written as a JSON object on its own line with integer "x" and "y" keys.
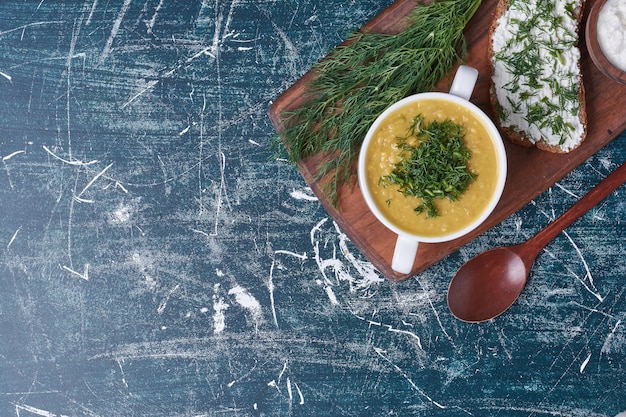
{"x": 407, "y": 243}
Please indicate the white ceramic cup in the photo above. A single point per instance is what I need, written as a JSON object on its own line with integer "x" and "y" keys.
{"x": 407, "y": 243}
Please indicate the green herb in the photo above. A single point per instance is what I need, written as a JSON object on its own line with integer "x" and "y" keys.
{"x": 360, "y": 79}
{"x": 433, "y": 165}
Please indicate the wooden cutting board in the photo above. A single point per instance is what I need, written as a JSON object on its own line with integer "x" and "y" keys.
{"x": 530, "y": 171}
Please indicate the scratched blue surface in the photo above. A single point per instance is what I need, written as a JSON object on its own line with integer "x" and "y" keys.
{"x": 155, "y": 262}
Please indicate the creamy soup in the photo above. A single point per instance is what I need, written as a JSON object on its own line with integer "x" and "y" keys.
{"x": 382, "y": 154}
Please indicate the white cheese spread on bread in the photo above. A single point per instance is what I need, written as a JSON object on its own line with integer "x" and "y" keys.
{"x": 537, "y": 86}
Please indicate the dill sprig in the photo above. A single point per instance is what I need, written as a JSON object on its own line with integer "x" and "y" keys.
{"x": 365, "y": 75}
{"x": 433, "y": 166}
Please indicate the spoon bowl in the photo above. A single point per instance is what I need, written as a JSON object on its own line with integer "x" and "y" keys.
{"x": 489, "y": 283}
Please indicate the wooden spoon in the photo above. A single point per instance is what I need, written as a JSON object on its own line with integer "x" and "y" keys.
{"x": 488, "y": 284}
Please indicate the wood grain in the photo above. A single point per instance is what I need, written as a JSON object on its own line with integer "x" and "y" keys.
{"x": 530, "y": 171}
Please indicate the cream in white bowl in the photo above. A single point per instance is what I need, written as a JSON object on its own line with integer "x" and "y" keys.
{"x": 611, "y": 31}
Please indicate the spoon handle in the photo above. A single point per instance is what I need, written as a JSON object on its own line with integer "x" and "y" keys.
{"x": 586, "y": 203}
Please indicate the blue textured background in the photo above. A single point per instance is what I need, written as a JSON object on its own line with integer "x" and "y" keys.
{"x": 155, "y": 262}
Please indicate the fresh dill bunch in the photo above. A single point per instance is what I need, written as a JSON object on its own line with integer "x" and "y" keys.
{"x": 364, "y": 76}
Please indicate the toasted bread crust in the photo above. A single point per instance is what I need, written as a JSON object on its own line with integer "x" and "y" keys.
{"x": 520, "y": 137}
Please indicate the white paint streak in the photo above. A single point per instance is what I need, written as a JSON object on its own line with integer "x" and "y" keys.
{"x": 154, "y": 16}
{"x": 91, "y": 12}
{"x": 221, "y": 191}
{"x": 35, "y": 411}
{"x": 276, "y": 384}
{"x": 292, "y": 51}
{"x": 122, "y": 214}
{"x": 381, "y": 352}
{"x": 164, "y": 302}
{"x": 502, "y": 339}
{"x": 119, "y": 364}
{"x": 247, "y": 301}
{"x": 567, "y": 191}
{"x": 120, "y": 186}
{"x": 11, "y": 155}
{"x": 13, "y": 237}
{"x": 270, "y": 281}
{"x": 83, "y": 200}
{"x": 219, "y": 309}
{"x": 116, "y": 27}
{"x": 214, "y": 49}
{"x": 301, "y": 402}
{"x": 282, "y": 371}
{"x": 219, "y": 318}
{"x": 5, "y": 75}
{"x": 289, "y": 391}
{"x": 270, "y": 289}
{"x": 71, "y": 161}
{"x": 389, "y": 328}
{"x": 331, "y": 295}
{"x": 290, "y": 253}
{"x": 68, "y": 86}
{"x": 149, "y": 86}
{"x": 591, "y": 288}
{"x": 315, "y": 242}
{"x": 606, "y": 347}
{"x": 50, "y": 22}
{"x": 200, "y": 232}
{"x": 90, "y": 183}
{"x": 206, "y": 51}
{"x": 432, "y": 307}
{"x": 302, "y": 195}
{"x": 84, "y": 275}
{"x": 366, "y": 273}
{"x": 594, "y": 310}
{"x": 416, "y": 337}
{"x": 584, "y": 364}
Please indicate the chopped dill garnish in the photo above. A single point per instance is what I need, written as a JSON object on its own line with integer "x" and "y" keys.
{"x": 433, "y": 164}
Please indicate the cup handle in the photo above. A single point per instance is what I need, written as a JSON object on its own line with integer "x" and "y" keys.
{"x": 404, "y": 255}
{"x": 464, "y": 82}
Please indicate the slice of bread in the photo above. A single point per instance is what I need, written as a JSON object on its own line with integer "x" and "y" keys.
{"x": 537, "y": 90}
